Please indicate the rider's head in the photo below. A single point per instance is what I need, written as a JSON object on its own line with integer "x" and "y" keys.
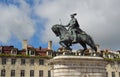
{"x": 72, "y": 15}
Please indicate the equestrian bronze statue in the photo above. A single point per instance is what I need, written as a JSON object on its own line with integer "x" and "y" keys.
{"x": 73, "y": 35}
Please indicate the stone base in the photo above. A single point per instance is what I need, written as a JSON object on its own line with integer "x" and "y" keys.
{"x": 78, "y": 66}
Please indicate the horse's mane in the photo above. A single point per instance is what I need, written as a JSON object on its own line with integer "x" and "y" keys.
{"x": 62, "y": 28}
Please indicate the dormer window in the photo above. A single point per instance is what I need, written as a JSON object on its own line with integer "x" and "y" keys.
{"x": 31, "y": 52}
{"x": 0, "y": 50}
{"x": 49, "y": 53}
{"x": 14, "y": 51}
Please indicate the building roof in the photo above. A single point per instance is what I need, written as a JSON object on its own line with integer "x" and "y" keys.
{"x": 38, "y": 51}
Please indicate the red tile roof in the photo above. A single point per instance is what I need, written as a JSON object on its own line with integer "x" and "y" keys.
{"x": 38, "y": 51}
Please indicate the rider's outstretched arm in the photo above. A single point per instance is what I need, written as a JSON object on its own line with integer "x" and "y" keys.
{"x": 67, "y": 25}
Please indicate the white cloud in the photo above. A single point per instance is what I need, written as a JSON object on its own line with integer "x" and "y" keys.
{"x": 15, "y": 20}
{"x": 99, "y": 18}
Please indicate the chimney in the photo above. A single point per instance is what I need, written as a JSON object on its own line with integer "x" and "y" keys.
{"x": 50, "y": 45}
{"x": 24, "y": 44}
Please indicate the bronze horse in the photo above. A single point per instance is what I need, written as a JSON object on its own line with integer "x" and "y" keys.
{"x": 66, "y": 38}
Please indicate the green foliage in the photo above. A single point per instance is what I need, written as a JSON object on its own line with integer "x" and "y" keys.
{"x": 26, "y": 56}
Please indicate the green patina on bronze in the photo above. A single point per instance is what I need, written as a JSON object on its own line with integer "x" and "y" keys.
{"x": 73, "y": 35}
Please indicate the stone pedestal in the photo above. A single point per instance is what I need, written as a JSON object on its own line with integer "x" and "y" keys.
{"x": 78, "y": 66}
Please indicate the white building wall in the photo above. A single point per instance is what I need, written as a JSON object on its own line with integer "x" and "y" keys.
{"x": 110, "y": 67}
{"x": 113, "y": 67}
{"x": 27, "y": 67}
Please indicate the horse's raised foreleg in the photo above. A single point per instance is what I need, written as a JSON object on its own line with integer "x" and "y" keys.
{"x": 68, "y": 46}
{"x": 65, "y": 45}
{"x": 62, "y": 44}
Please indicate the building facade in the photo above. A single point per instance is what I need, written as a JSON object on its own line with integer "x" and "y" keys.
{"x": 28, "y": 62}
{"x": 34, "y": 62}
{"x": 113, "y": 69}
{"x": 24, "y": 67}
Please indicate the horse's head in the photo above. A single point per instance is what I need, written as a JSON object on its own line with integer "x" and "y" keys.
{"x": 55, "y": 29}
{"x": 59, "y": 30}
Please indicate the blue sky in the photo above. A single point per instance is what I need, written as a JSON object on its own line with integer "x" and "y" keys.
{"x": 33, "y": 19}
{"x": 34, "y": 38}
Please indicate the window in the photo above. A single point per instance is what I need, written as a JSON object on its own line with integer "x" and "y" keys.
{"x": 119, "y": 62}
{"x": 0, "y": 50}
{"x": 119, "y": 74}
{"x": 106, "y": 74}
{"x": 14, "y": 51}
{"x": 40, "y": 73}
{"x": 22, "y": 61}
{"x": 13, "y": 61}
{"x": 12, "y": 73}
{"x": 22, "y": 73}
{"x": 31, "y": 73}
{"x": 41, "y": 62}
{"x": 49, "y": 73}
{"x": 32, "y": 53}
{"x": 113, "y": 74}
{"x": 3, "y": 72}
{"x": 31, "y": 61}
{"x": 49, "y": 53}
{"x": 3, "y": 61}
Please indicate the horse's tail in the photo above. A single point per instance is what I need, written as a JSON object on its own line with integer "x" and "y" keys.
{"x": 92, "y": 43}
{"x": 88, "y": 39}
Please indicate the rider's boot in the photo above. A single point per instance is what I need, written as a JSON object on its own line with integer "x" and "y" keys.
{"x": 74, "y": 40}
